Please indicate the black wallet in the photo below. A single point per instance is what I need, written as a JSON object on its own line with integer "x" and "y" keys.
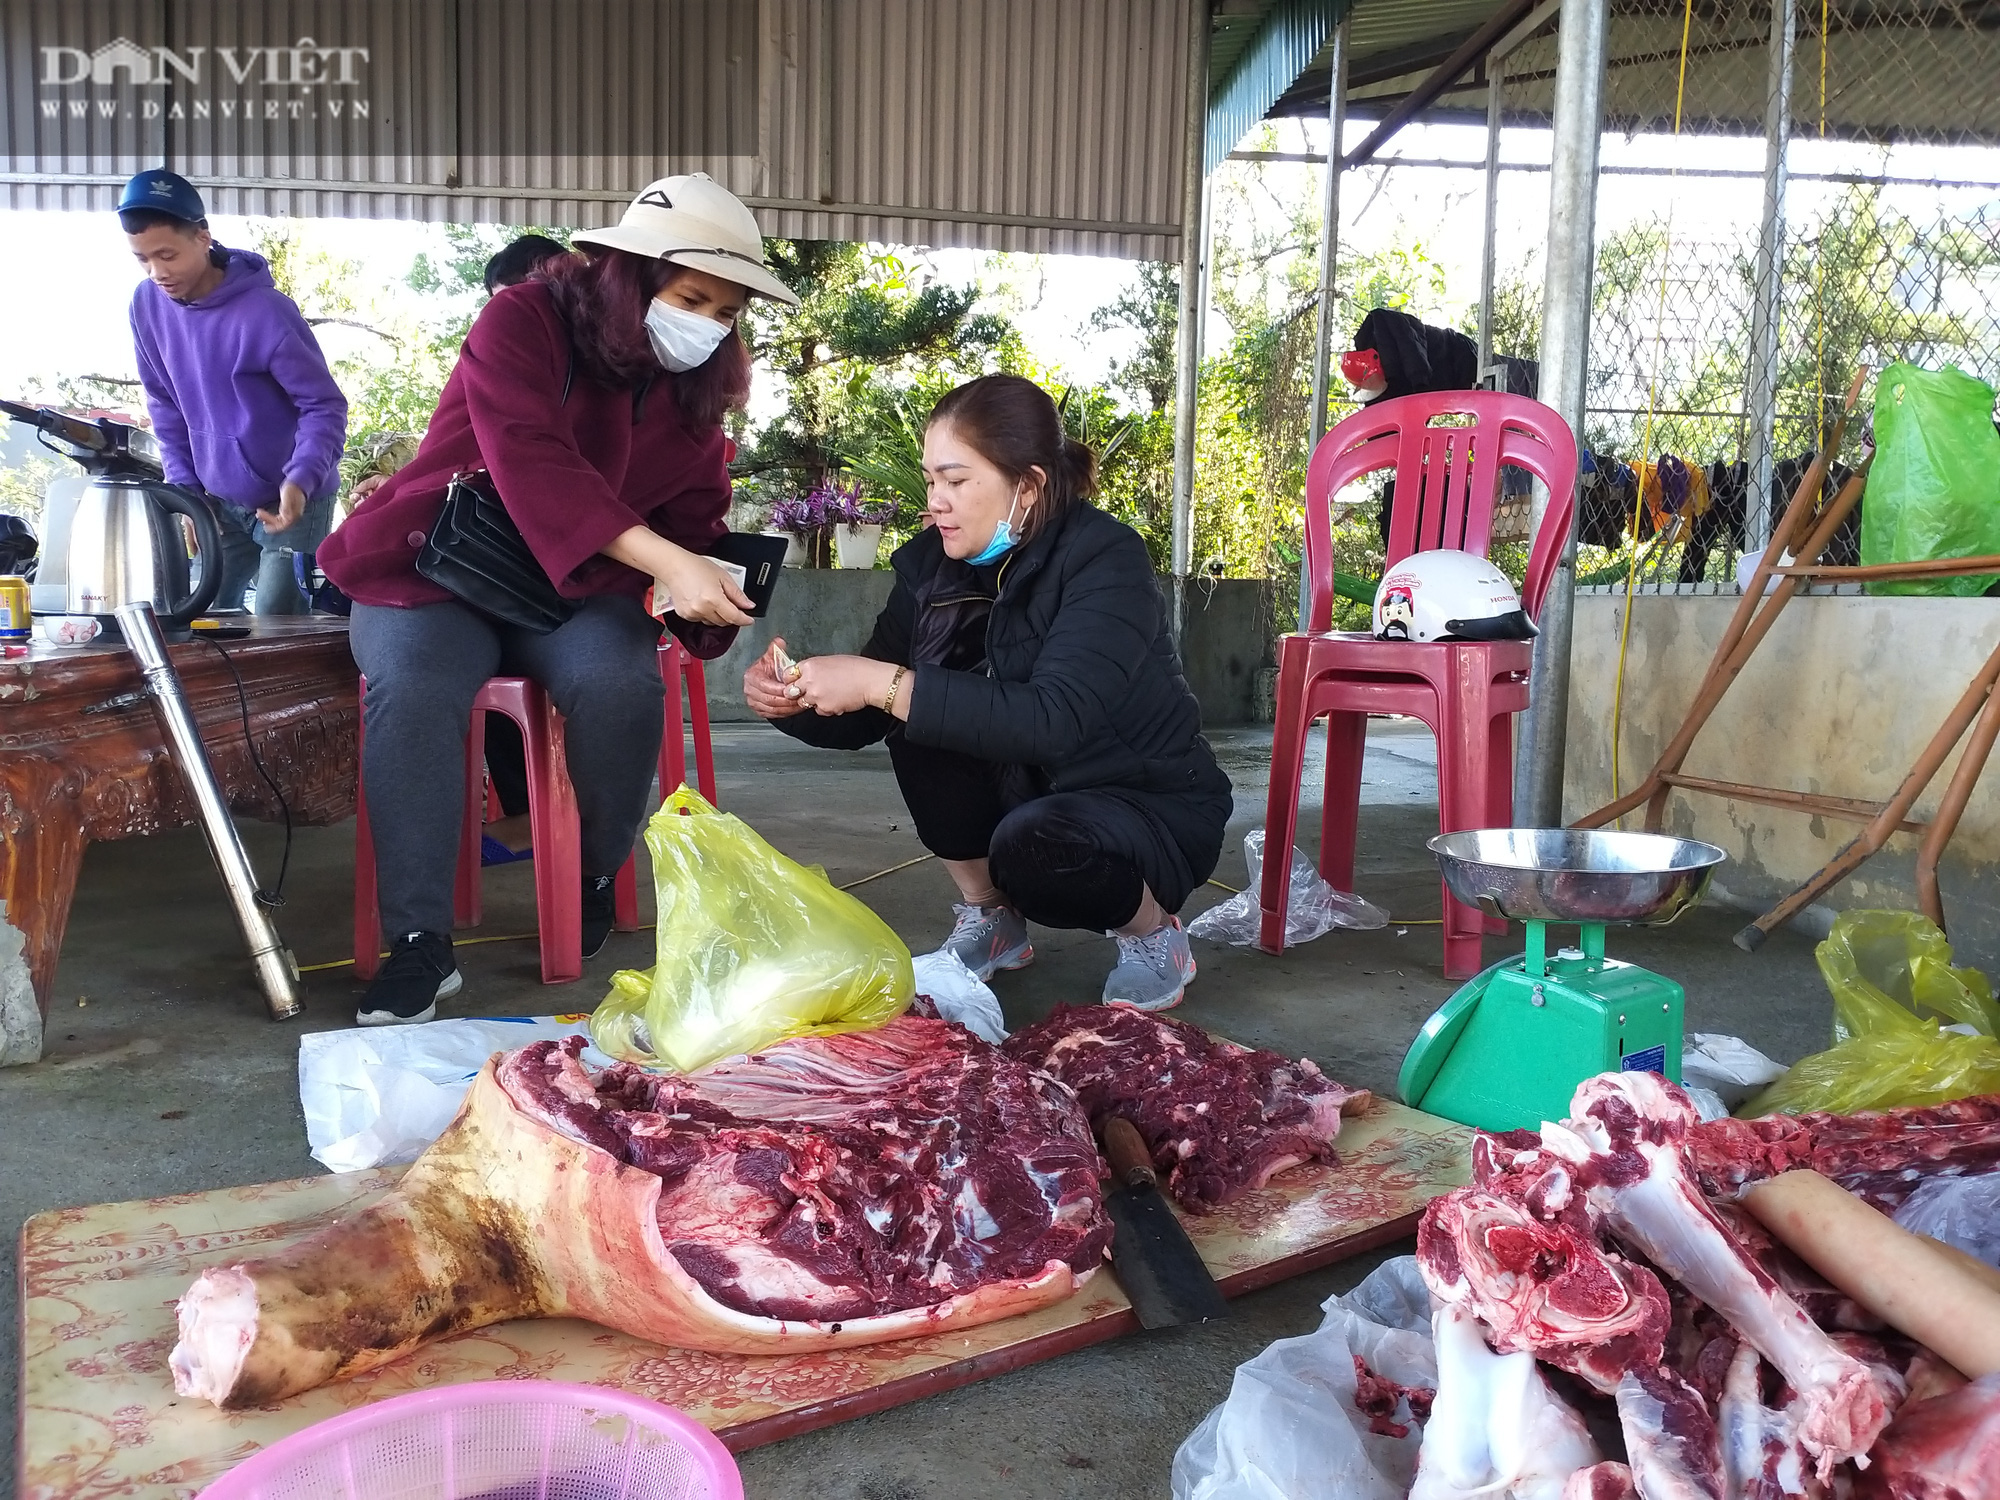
{"x": 761, "y": 558}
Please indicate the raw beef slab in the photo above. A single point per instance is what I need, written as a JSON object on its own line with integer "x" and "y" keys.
{"x": 867, "y": 1173}
{"x": 1220, "y": 1119}
{"x": 1880, "y": 1155}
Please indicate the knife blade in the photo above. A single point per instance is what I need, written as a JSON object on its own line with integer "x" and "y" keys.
{"x": 1162, "y": 1273}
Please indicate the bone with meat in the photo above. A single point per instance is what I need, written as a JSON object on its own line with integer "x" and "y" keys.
{"x": 831, "y": 1192}
{"x": 1496, "y": 1429}
{"x": 1762, "y": 1457}
{"x": 1671, "y": 1441}
{"x": 1543, "y": 1287}
{"x": 1219, "y": 1119}
{"x": 1943, "y": 1448}
{"x": 1605, "y": 1481}
{"x": 1627, "y": 1142}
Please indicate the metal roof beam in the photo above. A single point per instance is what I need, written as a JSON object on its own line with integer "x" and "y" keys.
{"x": 1472, "y": 50}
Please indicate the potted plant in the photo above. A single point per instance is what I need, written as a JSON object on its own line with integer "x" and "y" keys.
{"x": 804, "y": 520}
{"x": 857, "y": 526}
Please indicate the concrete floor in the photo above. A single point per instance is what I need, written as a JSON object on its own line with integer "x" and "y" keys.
{"x": 162, "y": 1075}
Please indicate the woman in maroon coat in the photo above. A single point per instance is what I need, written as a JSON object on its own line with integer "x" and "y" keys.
{"x": 594, "y": 395}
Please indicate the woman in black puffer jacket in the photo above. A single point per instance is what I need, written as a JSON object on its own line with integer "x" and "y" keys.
{"x": 1040, "y": 728}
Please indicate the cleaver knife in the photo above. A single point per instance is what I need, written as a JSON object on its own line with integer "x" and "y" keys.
{"x": 1157, "y": 1264}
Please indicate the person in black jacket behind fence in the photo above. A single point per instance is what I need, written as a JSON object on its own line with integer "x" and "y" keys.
{"x": 1023, "y": 675}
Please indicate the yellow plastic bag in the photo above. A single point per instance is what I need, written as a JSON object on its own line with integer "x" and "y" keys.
{"x": 1886, "y": 968}
{"x": 1894, "y": 990}
{"x": 752, "y": 948}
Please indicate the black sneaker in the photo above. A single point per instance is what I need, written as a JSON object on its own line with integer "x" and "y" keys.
{"x": 600, "y": 912}
{"x": 419, "y": 972}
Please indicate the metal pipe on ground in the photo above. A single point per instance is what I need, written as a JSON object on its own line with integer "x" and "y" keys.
{"x": 277, "y": 970}
{"x": 1579, "y": 118}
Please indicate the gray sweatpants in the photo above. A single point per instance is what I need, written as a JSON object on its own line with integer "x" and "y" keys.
{"x": 424, "y": 667}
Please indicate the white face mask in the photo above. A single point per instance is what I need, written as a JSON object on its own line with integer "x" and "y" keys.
{"x": 681, "y": 339}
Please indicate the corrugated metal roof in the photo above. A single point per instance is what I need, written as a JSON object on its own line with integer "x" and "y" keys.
{"x": 1260, "y": 67}
{"x": 1049, "y": 125}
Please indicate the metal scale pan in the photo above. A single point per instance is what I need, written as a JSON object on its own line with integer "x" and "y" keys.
{"x": 1570, "y": 875}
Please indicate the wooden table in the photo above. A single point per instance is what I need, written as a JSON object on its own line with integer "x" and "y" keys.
{"x": 83, "y": 757}
{"x": 99, "y": 1417}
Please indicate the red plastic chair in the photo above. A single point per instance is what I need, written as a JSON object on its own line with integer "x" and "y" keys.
{"x": 552, "y": 817}
{"x": 552, "y": 822}
{"x": 1447, "y": 481}
{"x": 678, "y": 668}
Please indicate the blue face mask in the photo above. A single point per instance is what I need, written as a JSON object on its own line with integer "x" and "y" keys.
{"x": 1003, "y": 538}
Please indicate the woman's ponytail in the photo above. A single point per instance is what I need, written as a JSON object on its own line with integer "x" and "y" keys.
{"x": 1081, "y": 465}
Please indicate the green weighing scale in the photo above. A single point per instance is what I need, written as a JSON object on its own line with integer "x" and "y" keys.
{"x": 1508, "y": 1050}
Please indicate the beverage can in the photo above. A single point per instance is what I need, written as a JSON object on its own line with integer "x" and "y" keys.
{"x": 17, "y": 621}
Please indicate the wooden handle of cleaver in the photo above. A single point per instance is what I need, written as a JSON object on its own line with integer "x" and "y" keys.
{"x": 1125, "y": 1148}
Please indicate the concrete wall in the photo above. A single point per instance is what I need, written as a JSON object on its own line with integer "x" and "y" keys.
{"x": 823, "y": 611}
{"x": 1839, "y": 699}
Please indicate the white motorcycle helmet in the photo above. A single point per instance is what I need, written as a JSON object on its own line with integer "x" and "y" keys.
{"x": 1448, "y": 596}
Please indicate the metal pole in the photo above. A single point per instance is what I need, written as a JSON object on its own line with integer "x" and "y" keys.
{"x": 1579, "y": 118}
{"x": 277, "y": 970}
{"x": 1194, "y": 300}
{"x": 1329, "y": 233}
{"x": 1329, "y": 251}
{"x": 1496, "y": 70}
{"x": 1761, "y": 380}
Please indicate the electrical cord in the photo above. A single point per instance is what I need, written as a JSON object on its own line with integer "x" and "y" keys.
{"x": 274, "y": 897}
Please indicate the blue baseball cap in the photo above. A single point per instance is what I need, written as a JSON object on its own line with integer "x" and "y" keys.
{"x": 163, "y": 192}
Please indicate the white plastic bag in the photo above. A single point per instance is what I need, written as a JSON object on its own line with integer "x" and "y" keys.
{"x": 382, "y": 1094}
{"x": 1727, "y": 1065}
{"x": 1290, "y": 1429}
{"x": 1961, "y": 1211}
{"x": 1315, "y": 907}
{"x": 957, "y": 994}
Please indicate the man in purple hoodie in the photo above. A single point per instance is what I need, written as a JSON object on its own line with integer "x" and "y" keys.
{"x": 243, "y": 404}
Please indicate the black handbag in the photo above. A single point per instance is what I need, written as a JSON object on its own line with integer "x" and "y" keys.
{"x": 475, "y": 552}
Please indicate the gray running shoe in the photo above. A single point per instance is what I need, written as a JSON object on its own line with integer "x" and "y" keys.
{"x": 988, "y": 939}
{"x": 1152, "y": 970}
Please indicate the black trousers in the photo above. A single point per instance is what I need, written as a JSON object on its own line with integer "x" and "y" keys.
{"x": 1064, "y": 859}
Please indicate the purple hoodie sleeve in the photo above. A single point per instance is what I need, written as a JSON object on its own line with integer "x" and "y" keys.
{"x": 300, "y": 369}
{"x": 170, "y": 427}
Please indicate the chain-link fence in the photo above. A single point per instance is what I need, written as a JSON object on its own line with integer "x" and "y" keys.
{"x": 1886, "y": 116}
{"x": 1888, "y": 220}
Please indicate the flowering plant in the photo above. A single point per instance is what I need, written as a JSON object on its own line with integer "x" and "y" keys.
{"x": 829, "y": 505}
{"x": 804, "y": 516}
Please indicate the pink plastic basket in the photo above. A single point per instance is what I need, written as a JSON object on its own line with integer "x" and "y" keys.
{"x": 494, "y": 1440}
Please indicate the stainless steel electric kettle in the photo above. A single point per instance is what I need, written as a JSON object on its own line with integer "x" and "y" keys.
{"x": 110, "y": 536}
{"x": 126, "y": 547}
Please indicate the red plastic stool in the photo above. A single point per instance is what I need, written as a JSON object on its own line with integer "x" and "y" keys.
{"x": 679, "y": 667}
{"x": 552, "y": 823}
